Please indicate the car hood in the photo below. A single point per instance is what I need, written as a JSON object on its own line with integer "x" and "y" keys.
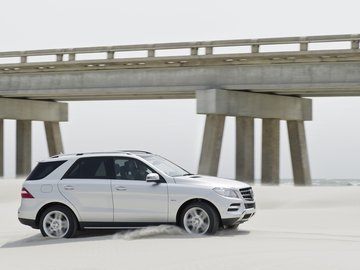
{"x": 210, "y": 181}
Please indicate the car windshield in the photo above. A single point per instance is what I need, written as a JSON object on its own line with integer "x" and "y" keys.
{"x": 166, "y": 166}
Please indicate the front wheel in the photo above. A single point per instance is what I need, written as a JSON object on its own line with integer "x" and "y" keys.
{"x": 58, "y": 222}
{"x": 199, "y": 218}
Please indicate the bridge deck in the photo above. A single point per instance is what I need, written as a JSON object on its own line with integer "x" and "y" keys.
{"x": 300, "y": 66}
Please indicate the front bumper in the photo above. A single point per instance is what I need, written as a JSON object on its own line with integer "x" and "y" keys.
{"x": 238, "y": 213}
{"x": 245, "y": 216}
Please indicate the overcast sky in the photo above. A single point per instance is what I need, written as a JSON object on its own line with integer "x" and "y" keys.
{"x": 172, "y": 128}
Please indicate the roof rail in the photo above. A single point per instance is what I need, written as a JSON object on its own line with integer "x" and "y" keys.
{"x": 134, "y": 151}
{"x": 106, "y": 152}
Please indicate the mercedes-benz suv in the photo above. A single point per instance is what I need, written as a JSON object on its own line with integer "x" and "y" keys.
{"x": 128, "y": 189}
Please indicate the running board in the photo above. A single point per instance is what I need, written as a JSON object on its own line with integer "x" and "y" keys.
{"x": 121, "y": 225}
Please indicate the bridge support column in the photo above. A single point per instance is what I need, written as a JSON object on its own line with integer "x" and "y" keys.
{"x": 245, "y": 107}
{"x": 211, "y": 146}
{"x": 1, "y": 147}
{"x": 245, "y": 149}
{"x": 53, "y": 136}
{"x": 23, "y": 147}
{"x": 270, "y": 159}
{"x": 24, "y": 111}
{"x": 299, "y": 153}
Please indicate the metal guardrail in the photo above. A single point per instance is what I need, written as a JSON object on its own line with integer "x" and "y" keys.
{"x": 201, "y": 49}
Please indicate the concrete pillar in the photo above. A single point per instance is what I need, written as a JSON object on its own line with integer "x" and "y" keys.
{"x": 23, "y": 147}
{"x": 245, "y": 149}
{"x": 270, "y": 151}
{"x": 53, "y": 136}
{"x": 211, "y": 146}
{"x": 271, "y": 108}
{"x": 1, "y": 147}
{"x": 299, "y": 153}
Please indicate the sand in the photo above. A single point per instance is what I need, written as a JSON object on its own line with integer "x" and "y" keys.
{"x": 294, "y": 228}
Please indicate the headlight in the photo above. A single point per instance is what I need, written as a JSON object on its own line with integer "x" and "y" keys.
{"x": 226, "y": 192}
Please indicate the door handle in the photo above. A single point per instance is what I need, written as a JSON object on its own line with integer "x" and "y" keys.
{"x": 67, "y": 187}
{"x": 120, "y": 188}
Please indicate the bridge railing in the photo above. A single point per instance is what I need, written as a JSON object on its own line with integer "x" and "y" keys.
{"x": 202, "y": 48}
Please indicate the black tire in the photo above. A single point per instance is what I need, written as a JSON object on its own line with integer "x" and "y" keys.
{"x": 212, "y": 219}
{"x": 63, "y": 217}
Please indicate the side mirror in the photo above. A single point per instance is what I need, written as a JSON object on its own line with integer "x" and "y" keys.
{"x": 153, "y": 178}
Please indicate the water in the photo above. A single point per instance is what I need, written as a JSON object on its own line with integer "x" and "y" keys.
{"x": 336, "y": 182}
{"x": 323, "y": 182}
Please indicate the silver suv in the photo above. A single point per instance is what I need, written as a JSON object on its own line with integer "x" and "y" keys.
{"x": 128, "y": 189}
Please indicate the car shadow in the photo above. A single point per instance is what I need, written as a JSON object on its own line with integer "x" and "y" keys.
{"x": 155, "y": 232}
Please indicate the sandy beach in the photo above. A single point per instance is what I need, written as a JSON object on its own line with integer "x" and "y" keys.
{"x": 294, "y": 228}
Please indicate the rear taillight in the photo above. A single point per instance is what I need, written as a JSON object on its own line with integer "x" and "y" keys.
{"x": 25, "y": 194}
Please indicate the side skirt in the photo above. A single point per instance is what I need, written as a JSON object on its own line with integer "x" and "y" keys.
{"x": 120, "y": 225}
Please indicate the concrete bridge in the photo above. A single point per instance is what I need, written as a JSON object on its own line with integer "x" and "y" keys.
{"x": 269, "y": 79}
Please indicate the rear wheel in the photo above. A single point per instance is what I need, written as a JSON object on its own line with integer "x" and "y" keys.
{"x": 58, "y": 222}
{"x": 199, "y": 218}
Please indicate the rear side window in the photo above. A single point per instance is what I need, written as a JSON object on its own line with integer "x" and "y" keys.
{"x": 89, "y": 168}
{"x": 43, "y": 169}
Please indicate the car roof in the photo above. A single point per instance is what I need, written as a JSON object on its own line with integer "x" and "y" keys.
{"x": 139, "y": 153}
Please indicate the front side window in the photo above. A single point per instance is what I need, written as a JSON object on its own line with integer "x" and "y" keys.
{"x": 130, "y": 169}
{"x": 89, "y": 168}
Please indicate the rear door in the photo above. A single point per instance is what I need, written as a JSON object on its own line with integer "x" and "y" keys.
{"x": 135, "y": 200}
{"x": 87, "y": 185}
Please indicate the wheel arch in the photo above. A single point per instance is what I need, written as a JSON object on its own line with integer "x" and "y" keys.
{"x": 188, "y": 202}
{"x": 47, "y": 206}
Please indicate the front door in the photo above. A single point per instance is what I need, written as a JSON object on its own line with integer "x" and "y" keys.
{"x": 135, "y": 200}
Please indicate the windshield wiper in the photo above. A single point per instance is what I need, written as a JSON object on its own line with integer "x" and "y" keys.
{"x": 187, "y": 174}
